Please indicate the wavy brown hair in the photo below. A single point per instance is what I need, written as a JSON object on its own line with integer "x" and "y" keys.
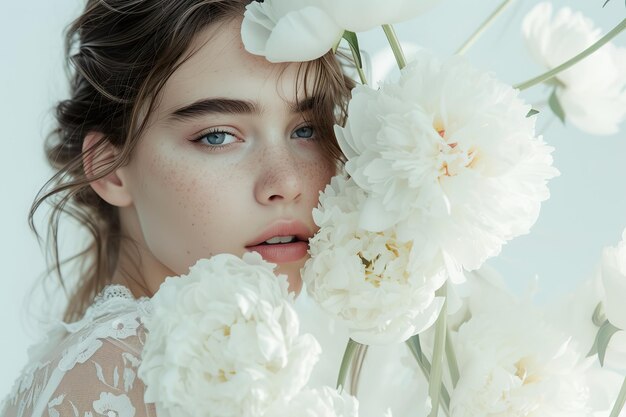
{"x": 119, "y": 55}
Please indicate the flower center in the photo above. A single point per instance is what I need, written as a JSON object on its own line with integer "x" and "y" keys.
{"x": 452, "y": 158}
{"x": 376, "y": 269}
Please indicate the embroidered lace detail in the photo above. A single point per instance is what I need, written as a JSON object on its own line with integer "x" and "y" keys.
{"x": 112, "y": 291}
{"x": 88, "y": 367}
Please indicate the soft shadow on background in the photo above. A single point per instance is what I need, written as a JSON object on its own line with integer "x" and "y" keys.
{"x": 586, "y": 212}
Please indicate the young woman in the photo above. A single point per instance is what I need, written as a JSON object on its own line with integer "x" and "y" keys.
{"x": 175, "y": 144}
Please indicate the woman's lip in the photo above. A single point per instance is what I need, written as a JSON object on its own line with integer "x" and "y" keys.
{"x": 282, "y": 228}
{"x": 281, "y": 252}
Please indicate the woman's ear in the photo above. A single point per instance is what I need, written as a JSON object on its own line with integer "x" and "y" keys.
{"x": 111, "y": 188}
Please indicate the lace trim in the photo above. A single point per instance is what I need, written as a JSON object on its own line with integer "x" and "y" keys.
{"x": 113, "y": 298}
{"x": 112, "y": 291}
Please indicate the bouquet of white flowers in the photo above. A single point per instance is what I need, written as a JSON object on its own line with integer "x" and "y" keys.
{"x": 443, "y": 167}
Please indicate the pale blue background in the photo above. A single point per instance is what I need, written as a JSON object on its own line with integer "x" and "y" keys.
{"x": 586, "y": 212}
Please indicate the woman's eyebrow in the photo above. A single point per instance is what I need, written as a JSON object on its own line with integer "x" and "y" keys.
{"x": 207, "y": 106}
{"x": 220, "y": 105}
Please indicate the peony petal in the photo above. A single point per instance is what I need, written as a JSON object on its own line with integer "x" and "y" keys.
{"x": 374, "y": 217}
{"x": 429, "y": 316}
{"x": 615, "y": 358}
{"x": 344, "y": 144}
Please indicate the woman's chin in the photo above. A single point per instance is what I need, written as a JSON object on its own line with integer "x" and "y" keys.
{"x": 292, "y": 271}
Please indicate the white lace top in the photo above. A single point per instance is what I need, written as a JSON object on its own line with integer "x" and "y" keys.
{"x": 87, "y": 368}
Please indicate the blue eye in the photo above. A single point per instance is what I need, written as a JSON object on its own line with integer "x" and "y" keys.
{"x": 304, "y": 132}
{"x": 216, "y": 138}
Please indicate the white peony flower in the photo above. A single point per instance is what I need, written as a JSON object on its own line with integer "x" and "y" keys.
{"x": 322, "y": 402}
{"x": 364, "y": 279}
{"x": 303, "y": 30}
{"x": 447, "y": 155}
{"x": 513, "y": 364}
{"x": 223, "y": 341}
{"x": 592, "y": 93}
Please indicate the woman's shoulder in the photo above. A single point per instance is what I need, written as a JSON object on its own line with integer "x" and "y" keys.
{"x": 88, "y": 367}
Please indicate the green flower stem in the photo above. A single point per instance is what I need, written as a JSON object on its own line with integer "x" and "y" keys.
{"x": 353, "y": 42}
{"x": 345, "y": 362}
{"x": 550, "y": 74}
{"x": 451, "y": 357}
{"x": 619, "y": 403}
{"x": 468, "y": 43}
{"x": 362, "y": 75}
{"x": 395, "y": 45}
{"x": 416, "y": 349}
{"x": 414, "y": 346}
{"x": 436, "y": 371}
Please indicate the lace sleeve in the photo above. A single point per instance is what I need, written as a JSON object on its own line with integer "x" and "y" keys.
{"x": 88, "y": 371}
{"x": 106, "y": 384}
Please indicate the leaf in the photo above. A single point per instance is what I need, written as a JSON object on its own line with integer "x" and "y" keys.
{"x": 606, "y": 331}
{"x": 598, "y": 317}
{"x": 555, "y": 106}
{"x": 353, "y": 42}
{"x": 532, "y": 112}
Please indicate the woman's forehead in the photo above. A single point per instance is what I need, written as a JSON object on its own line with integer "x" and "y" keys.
{"x": 220, "y": 67}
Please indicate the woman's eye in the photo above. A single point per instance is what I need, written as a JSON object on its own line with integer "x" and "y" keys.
{"x": 216, "y": 138}
{"x": 305, "y": 132}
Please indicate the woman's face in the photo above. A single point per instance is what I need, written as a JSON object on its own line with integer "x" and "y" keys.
{"x": 228, "y": 165}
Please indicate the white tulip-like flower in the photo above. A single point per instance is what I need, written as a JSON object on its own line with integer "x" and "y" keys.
{"x": 363, "y": 15}
{"x": 513, "y": 364}
{"x": 303, "y": 30}
{"x": 223, "y": 341}
{"x": 592, "y": 93}
{"x": 448, "y": 156}
{"x": 289, "y": 30}
{"x": 367, "y": 280}
{"x": 322, "y": 402}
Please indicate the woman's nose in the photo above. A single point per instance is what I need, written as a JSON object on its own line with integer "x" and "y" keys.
{"x": 280, "y": 179}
